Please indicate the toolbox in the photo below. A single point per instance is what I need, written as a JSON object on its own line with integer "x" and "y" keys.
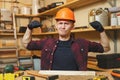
{"x": 108, "y": 60}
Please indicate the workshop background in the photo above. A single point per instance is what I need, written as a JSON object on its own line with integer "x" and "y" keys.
{"x": 83, "y": 15}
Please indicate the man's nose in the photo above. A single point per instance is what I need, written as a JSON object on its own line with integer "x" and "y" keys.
{"x": 63, "y": 25}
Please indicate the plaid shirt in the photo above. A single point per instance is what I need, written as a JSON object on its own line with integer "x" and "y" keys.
{"x": 80, "y": 48}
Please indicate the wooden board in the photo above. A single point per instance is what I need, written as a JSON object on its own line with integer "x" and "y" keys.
{"x": 58, "y": 72}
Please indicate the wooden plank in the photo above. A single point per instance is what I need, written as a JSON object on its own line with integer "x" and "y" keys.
{"x": 11, "y": 60}
{"x": 88, "y": 29}
{"x": 36, "y": 73}
{"x": 58, "y": 72}
{"x": 7, "y": 54}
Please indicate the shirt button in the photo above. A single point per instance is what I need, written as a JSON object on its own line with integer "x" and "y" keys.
{"x": 82, "y": 49}
{"x": 57, "y": 41}
{"x": 46, "y": 49}
{"x": 50, "y": 61}
{"x": 55, "y": 45}
{"x": 51, "y": 53}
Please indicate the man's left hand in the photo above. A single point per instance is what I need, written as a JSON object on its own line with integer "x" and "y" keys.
{"x": 97, "y": 25}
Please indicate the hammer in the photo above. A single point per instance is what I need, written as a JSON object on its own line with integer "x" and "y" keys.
{"x": 35, "y": 73}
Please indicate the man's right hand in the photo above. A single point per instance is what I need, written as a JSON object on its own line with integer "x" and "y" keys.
{"x": 34, "y": 24}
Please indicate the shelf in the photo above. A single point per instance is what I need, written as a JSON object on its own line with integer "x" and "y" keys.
{"x": 7, "y": 30}
{"x": 25, "y": 16}
{"x": 8, "y": 49}
{"x": 73, "y": 31}
{"x": 72, "y": 4}
{"x": 8, "y": 56}
{"x": 2, "y": 21}
{"x": 24, "y": 57}
{"x": 2, "y": 66}
{"x": 8, "y": 60}
{"x": 26, "y": 63}
{"x": 6, "y": 34}
{"x": 91, "y": 29}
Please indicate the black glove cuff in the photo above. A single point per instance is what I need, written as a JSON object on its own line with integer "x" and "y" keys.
{"x": 30, "y": 27}
{"x": 97, "y": 25}
{"x": 101, "y": 29}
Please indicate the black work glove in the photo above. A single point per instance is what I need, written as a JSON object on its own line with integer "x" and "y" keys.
{"x": 34, "y": 24}
{"x": 97, "y": 25}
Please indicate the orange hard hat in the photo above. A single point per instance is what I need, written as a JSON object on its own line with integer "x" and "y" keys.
{"x": 65, "y": 13}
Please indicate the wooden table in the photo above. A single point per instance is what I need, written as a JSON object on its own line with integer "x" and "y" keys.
{"x": 64, "y": 77}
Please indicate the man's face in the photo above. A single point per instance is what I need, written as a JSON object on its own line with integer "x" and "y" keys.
{"x": 64, "y": 27}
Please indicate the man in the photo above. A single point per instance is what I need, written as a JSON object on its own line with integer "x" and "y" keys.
{"x": 65, "y": 52}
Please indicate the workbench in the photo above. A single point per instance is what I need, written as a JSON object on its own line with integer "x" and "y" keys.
{"x": 64, "y": 77}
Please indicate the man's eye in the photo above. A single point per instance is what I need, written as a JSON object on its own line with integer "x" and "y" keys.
{"x": 60, "y": 23}
{"x": 64, "y": 23}
{"x": 67, "y": 23}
